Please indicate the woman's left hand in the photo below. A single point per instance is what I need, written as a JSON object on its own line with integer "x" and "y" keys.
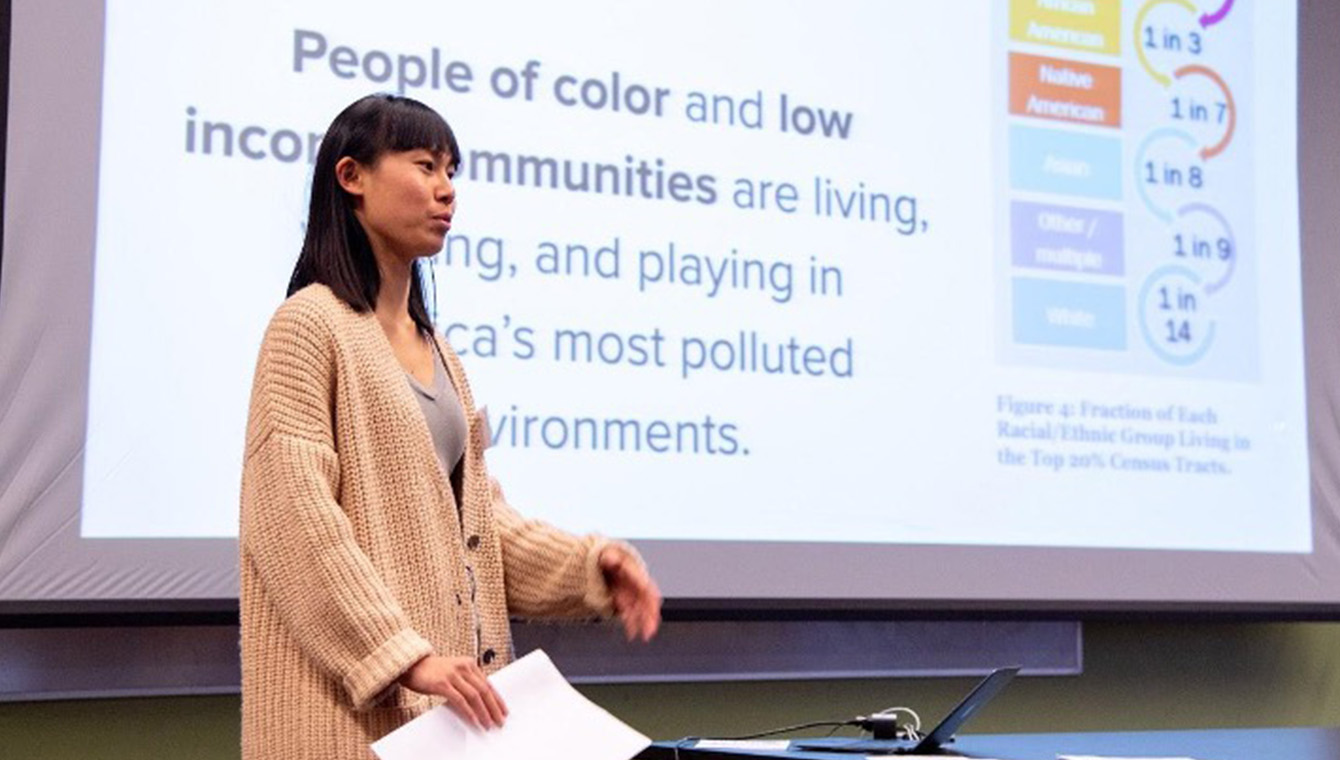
{"x": 637, "y": 600}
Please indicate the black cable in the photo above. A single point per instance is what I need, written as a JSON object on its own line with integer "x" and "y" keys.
{"x": 835, "y": 724}
{"x": 834, "y": 729}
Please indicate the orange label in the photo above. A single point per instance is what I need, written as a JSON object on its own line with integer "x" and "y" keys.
{"x": 1062, "y": 90}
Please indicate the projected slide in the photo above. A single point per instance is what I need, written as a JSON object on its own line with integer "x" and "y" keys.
{"x": 875, "y": 272}
{"x": 1152, "y": 201}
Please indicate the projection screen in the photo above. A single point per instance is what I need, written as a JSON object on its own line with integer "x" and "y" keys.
{"x": 865, "y": 304}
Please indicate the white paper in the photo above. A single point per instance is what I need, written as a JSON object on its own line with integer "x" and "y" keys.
{"x": 546, "y": 718}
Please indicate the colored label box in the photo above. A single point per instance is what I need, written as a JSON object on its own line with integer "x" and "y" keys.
{"x": 1065, "y": 238}
{"x": 1065, "y": 163}
{"x": 1069, "y": 314}
{"x": 1090, "y": 25}
{"x": 1054, "y": 88}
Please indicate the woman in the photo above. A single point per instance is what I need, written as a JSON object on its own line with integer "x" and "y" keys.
{"x": 379, "y": 561}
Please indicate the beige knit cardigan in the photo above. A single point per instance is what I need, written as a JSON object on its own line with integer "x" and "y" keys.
{"x": 353, "y": 557}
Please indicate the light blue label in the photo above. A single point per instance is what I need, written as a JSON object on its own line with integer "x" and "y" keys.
{"x": 1074, "y": 314}
{"x": 1065, "y": 163}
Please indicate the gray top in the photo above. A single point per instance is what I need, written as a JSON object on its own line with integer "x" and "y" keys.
{"x": 444, "y": 415}
{"x": 446, "y": 421}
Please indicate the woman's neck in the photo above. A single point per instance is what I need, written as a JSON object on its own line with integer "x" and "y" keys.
{"x": 392, "y": 307}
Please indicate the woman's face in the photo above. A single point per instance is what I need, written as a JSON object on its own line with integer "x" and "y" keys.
{"x": 405, "y": 200}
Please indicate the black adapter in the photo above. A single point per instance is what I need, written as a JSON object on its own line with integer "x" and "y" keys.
{"x": 881, "y": 726}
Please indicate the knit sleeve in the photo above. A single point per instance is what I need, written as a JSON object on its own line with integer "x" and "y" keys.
{"x": 327, "y": 593}
{"x": 548, "y": 572}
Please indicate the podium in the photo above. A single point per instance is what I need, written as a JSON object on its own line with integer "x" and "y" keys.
{"x": 1210, "y": 744}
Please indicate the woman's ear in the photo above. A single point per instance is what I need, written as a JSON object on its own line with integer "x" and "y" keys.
{"x": 349, "y": 173}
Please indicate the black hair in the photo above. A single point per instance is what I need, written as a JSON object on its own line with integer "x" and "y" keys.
{"x": 335, "y": 250}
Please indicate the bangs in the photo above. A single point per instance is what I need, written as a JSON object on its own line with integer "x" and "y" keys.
{"x": 410, "y": 125}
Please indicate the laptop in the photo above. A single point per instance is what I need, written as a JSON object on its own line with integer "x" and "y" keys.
{"x": 933, "y": 742}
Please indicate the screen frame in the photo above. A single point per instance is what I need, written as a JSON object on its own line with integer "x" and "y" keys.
{"x": 1317, "y": 211}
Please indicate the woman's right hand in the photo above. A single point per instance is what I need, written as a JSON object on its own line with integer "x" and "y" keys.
{"x": 464, "y": 685}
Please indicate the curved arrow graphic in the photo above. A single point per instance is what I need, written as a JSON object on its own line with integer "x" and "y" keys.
{"x": 1228, "y": 233}
{"x": 1212, "y": 75}
{"x": 1157, "y": 134}
{"x": 1150, "y": 340}
{"x": 1159, "y": 77}
{"x": 1210, "y": 19}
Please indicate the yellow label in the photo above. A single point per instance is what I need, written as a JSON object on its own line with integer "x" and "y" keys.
{"x": 1092, "y": 25}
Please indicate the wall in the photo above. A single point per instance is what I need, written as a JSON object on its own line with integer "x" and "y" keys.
{"x": 1137, "y": 675}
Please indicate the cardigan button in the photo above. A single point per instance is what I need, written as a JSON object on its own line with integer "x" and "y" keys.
{"x": 489, "y": 654}
{"x": 458, "y": 600}
{"x": 472, "y": 542}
